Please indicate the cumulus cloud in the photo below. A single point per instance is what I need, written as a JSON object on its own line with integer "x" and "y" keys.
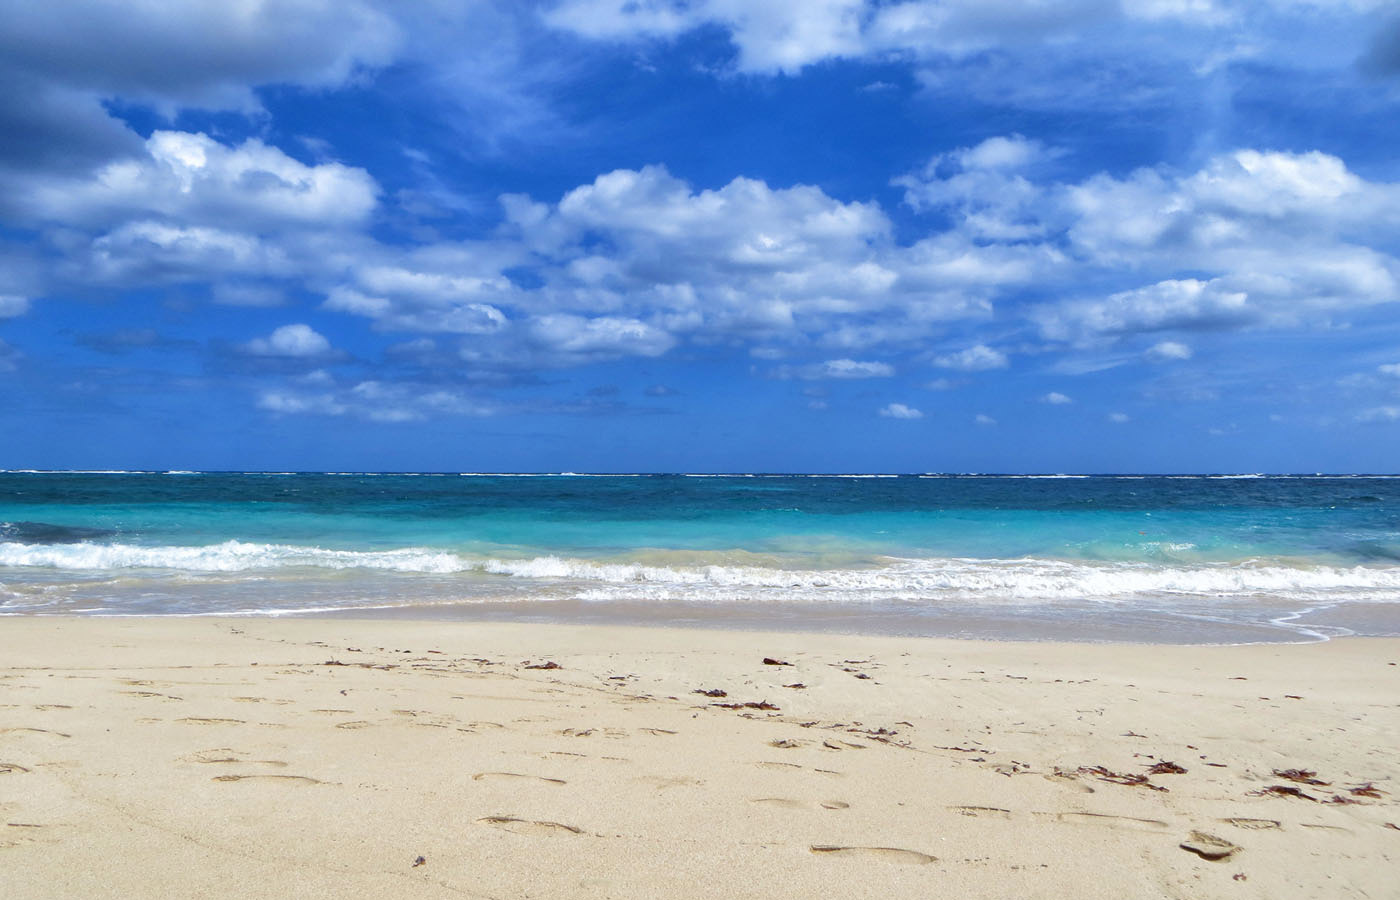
{"x": 295, "y": 341}
{"x": 784, "y": 37}
{"x": 601, "y": 337}
{"x": 1118, "y": 418}
{"x": 984, "y": 420}
{"x": 1055, "y": 398}
{"x": 976, "y": 358}
{"x": 747, "y": 260}
{"x": 204, "y": 55}
{"x": 1389, "y": 369}
{"x": 1165, "y": 351}
{"x": 195, "y": 180}
{"x": 900, "y": 411}
{"x": 1252, "y": 239}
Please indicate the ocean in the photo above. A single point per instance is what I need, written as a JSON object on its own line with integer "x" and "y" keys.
{"x": 1156, "y": 559}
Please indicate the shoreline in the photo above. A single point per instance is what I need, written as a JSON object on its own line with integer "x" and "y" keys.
{"x": 993, "y": 625}
{"x": 324, "y": 756}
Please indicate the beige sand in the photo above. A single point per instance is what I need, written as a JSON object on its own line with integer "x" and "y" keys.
{"x": 311, "y": 758}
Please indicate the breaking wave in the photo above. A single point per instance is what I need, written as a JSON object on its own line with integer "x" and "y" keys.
{"x": 932, "y": 580}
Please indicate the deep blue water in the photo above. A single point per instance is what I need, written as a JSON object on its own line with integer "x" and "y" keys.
{"x": 1152, "y": 557}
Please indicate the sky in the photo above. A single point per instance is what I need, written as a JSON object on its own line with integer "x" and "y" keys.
{"x": 701, "y": 235}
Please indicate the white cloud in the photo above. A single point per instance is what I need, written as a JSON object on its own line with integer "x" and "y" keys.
{"x": 775, "y": 36}
{"x": 291, "y": 403}
{"x": 431, "y": 312}
{"x": 976, "y": 358}
{"x": 1167, "y": 304}
{"x": 298, "y": 341}
{"x": 203, "y": 55}
{"x": 1379, "y": 414}
{"x": 984, "y": 420}
{"x": 1252, "y": 239}
{"x": 771, "y": 37}
{"x": 850, "y": 368}
{"x": 1118, "y": 418}
{"x": 1389, "y": 369}
{"x": 602, "y": 337}
{"x": 151, "y": 252}
{"x": 747, "y": 261}
{"x": 375, "y": 401}
{"x": 12, "y": 305}
{"x": 900, "y": 411}
{"x": 193, "y": 179}
{"x": 1168, "y": 350}
{"x": 1055, "y": 398}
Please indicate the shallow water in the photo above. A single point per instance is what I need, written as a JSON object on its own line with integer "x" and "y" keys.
{"x": 1154, "y": 558}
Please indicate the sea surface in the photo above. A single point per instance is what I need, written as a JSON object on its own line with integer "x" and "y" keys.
{"x": 1156, "y": 559}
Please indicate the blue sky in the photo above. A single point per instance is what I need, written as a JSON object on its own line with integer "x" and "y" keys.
{"x": 593, "y": 235}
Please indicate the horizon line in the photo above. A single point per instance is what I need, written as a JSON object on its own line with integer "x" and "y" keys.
{"x": 653, "y": 474}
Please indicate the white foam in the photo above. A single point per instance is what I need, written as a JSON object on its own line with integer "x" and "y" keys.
{"x": 1029, "y": 580}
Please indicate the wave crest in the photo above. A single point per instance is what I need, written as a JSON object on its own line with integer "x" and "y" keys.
{"x": 1035, "y": 580}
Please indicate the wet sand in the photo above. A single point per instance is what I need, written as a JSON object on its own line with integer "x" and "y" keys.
{"x": 336, "y": 758}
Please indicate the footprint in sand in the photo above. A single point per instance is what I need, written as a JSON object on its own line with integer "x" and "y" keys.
{"x": 789, "y": 803}
{"x": 886, "y": 854}
{"x": 483, "y": 776}
{"x": 226, "y": 755}
{"x": 982, "y": 812}
{"x": 152, "y": 694}
{"x": 302, "y": 779}
{"x": 1070, "y": 782}
{"x": 34, "y": 731}
{"x": 1253, "y": 824}
{"x": 528, "y": 826}
{"x": 352, "y": 725}
{"x": 1208, "y": 846}
{"x": 1129, "y": 823}
{"x": 663, "y": 782}
{"x": 772, "y": 764}
{"x": 200, "y": 720}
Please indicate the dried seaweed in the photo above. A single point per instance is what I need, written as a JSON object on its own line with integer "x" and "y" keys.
{"x": 770, "y": 661}
{"x": 1282, "y": 790}
{"x": 712, "y": 692}
{"x": 1366, "y": 790}
{"x": 1301, "y": 776}
{"x": 1132, "y": 779}
{"x": 762, "y": 704}
{"x": 1165, "y": 768}
{"x": 551, "y": 664}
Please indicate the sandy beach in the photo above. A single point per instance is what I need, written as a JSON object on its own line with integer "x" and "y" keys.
{"x": 207, "y": 757}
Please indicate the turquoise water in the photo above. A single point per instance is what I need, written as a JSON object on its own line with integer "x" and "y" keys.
{"x": 1175, "y": 558}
